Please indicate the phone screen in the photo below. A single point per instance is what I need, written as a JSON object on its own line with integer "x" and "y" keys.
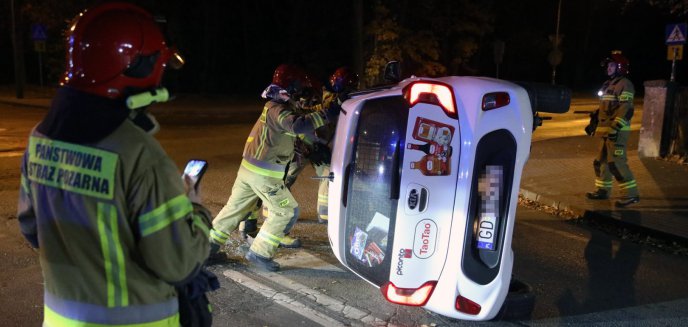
{"x": 195, "y": 169}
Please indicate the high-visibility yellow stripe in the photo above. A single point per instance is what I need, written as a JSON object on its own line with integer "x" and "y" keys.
{"x": 608, "y": 98}
{"x": 627, "y": 185}
{"x": 219, "y": 236}
{"x": 264, "y": 115}
{"x": 284, "y": 114}
{"x": 317, "y": 119}
{"x": 626, "y": 96}
{"x": 269, "y": 238}
{"x": 261, "y": 171}
{"x": 261, "y": 143}
{"x": 52, "y": 318}
{"x": 25, "y": 184}
{"x": 603, "y": 184}
{"x": 113, "y": 256}
{"x": 165, "y": 214}
{"x": 198, "y": 222}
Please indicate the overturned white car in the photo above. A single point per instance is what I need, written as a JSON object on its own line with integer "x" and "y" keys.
{"x": 424, "y": 184}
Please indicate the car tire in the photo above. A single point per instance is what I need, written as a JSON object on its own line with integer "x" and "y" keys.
{"x": 519, "y": 302}
{"x": 554, "y": 99}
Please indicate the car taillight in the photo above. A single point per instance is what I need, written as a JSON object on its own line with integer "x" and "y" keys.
{"x": 467, "y": 306}
{"x": 433, "y": 93}
{"x": 408, "y": 296}
{"x": 495, "y": 100}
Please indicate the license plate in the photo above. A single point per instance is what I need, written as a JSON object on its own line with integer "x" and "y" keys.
{"x": 490, "y": 189}
{"x": 486, "y": 232}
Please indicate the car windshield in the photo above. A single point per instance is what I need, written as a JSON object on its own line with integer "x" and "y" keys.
{"x": 374, "y": 187}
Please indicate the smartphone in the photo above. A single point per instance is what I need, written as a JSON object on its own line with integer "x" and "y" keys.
{"x": 195, "y": 169}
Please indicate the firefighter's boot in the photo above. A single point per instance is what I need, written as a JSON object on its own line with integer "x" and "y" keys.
{"x": 290, "y": 242}
{"x": 626, "y": 201}
{"x": 248, "y": 227}
{"x": 600, "y": 194}
{"x": 262, "y": 262}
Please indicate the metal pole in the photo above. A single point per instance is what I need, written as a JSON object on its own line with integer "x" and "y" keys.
{"x": 18, "y": 59}
{"x": 556, "y": 44}
{"x": 673, "y": 65}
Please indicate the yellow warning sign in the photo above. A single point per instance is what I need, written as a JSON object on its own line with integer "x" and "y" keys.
{"x": 675, "y": 52}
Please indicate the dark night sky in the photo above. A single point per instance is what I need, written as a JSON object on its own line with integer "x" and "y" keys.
{"x": 233, "y": 46}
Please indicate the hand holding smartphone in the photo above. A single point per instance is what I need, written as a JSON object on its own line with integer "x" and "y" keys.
{"x": 195, "y": 169}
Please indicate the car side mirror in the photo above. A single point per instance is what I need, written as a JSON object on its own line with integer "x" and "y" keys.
{"x": 392, "y": 72}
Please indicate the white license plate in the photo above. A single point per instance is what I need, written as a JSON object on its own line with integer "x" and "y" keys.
{"x": 486, "y": 232}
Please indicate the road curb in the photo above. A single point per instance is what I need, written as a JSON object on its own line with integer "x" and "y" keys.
{"x": 591, "y": 214}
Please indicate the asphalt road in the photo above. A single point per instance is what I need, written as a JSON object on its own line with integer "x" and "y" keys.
{"x": 580, "y": 276}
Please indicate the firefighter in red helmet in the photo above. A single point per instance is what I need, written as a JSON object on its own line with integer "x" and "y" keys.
{"x": 612, "y": 122}
{"x": 115, "y": 226}
{"x": 318, "y": 151}
{"x": 269, "y": 149}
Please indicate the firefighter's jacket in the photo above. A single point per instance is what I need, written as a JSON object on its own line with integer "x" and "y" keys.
{"x": 114, "y": 228}
{"x": 616, "y": 106}
{"x": 270, "y": 145}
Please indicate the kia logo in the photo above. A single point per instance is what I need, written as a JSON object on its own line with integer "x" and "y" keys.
{"x": 413, "y": 199}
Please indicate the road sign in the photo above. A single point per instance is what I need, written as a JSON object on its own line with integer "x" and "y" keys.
{"x": 675, "y": 52}
{"x": 676, "y": 34}
{"x": 38, "y": 32}
{"x": 39, "y": 46}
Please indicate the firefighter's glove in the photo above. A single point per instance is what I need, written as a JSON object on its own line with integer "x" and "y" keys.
{"x": 275, "y": 92}
{"x": 333, "y": 111}
{"x": 612, "y": 136}
{"x": 592, "y": 126}
{"x": 590, "y": 129}
{"x": 320, "y": 154}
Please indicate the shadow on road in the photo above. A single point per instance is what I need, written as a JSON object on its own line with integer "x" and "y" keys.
{"x": 611, "y": 275}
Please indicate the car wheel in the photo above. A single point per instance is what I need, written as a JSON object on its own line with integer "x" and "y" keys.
{"x": 555, "y": 99}
{"x": 519, "y": 302}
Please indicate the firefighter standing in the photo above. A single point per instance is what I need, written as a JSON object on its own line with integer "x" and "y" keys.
{"x": 99, "y": 198}
{"x": 612, "y": 122}
{"x": 268, "y": 150}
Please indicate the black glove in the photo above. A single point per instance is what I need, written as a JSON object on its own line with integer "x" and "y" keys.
{"x": 333, "y": 111}
{"x": 320, "y": 154}
{"x": 592, "y": 126}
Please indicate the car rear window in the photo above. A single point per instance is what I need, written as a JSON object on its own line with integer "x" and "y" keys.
{"x": 373, "y": 191}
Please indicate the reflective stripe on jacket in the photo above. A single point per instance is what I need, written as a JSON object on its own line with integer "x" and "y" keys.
{"x": 113, "y": 226}
{"x": 270, "y": 145}
{"x": 616, "y": 106}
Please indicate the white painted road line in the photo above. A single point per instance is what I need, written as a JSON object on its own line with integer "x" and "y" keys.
{"x": 334, "y": 305}
{"x": 282, "y": 299}
{"x": 304, "y": 260}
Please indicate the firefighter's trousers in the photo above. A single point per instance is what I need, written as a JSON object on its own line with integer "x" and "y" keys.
{"x": 612, "y": 162}
{"x": 248, "y": 188}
